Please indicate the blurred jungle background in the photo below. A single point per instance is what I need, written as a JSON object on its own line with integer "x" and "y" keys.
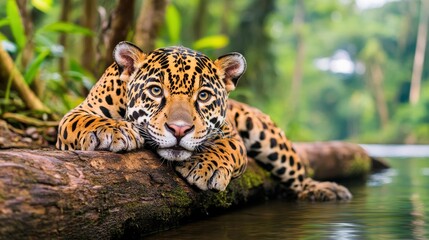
{"x": 323, "y": 69}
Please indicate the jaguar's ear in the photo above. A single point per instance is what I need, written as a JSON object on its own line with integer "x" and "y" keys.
{"x": 127, "y": 56}
{"x": 233, "y": 66}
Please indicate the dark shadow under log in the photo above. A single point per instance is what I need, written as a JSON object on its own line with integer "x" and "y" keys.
{"x": 47, "y": 193}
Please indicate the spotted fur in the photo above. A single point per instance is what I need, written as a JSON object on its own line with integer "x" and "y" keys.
{"x": 175, "y": 101}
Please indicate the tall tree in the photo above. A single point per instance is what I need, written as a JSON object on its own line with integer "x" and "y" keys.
{"x": 251, "y": 39}
{"x": 226, "y": 11}
{"x": 120, "y": 24}
{"x": 27, "y": 52}
{"x": 298, "y": 23}
{"x": 150, "y": 20}
{"x": 64, "y": 17}
{"x": 89, "y": 21}
{"x": 419, "y": 56}
{"x": 374, "y": 57}
{"x": 199, "y": 19}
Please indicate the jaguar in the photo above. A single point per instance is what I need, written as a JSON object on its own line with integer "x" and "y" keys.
{"x": 174, "y": 100}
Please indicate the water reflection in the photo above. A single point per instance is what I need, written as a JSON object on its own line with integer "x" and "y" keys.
{"x": 382, "y": 178}
{"x": 391, "y": 205}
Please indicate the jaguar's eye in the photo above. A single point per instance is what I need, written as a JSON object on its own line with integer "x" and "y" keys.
{"x": 204, "y": 96}
{"x": 155, "y": 91}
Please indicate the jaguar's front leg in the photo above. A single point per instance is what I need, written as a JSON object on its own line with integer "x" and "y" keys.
{"x": 81, "y": 130}
{"x": 214, "y": 168}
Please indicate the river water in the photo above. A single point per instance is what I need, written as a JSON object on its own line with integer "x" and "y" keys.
{"x": 393, "y": 204}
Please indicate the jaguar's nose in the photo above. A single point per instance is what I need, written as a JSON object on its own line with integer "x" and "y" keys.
{"x": 179, "y": 131}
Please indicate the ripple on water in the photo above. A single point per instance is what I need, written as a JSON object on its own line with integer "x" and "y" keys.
{"x": 393, "y": 204}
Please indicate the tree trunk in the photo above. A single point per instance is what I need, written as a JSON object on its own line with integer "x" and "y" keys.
{"x": 337, "y": 160}
{"x": 100, "y": 195}
{"x": 64, "y": 17}
{"x": 199, "y": 19}
{"x": 298, "y": 23}
{"x": 121, "y": 21}
{"x": 377, "y": 77}
{"x": 227, "y": 8}
{"x": 28, "y": 52}
{"x": 419, "y": 56}
{"x": 253, "y": 22}
{"x": 151, "y": 18}
{"x": 89, "y": 19}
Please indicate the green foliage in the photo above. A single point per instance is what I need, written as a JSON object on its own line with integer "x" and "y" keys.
{"x": 337, "y": 106}
{"x": 45, "y": 50}
{"x": 43, "y": 5}
{"x": 173, "y": 23}
{"x": 64, "y": 27}
{"x": 16, "y": 24}
{"x": 35, "y": 65}
{"x": 329, "y": 105}
{"x": 214, "y": 41}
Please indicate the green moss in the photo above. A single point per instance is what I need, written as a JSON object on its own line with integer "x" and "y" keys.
{"x": 163, "y": 213}
{"x": 360, "y": 166}
{"x": 218, "y": 200}
{"x": 249, "y": 180}
{"x": 309, "y": 172}
{"x": 222, "y": 199}
{"x": 179, "y": 197}
{"x": 237, "y": 191}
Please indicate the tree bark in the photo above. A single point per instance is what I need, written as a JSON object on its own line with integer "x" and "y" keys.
{"x": 151, "y": 18}
{"x": 89, "y": 19}
{"x": 64, "y": 17}
{"x": 121, "y": 21}
{"x": 99, "y": 195}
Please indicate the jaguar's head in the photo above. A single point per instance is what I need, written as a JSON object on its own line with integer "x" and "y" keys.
{"x": 178, "y": 95}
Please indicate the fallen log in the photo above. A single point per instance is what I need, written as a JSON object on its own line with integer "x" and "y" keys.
{"x": 337, "y": 160}
{"x": 46, "y": 193}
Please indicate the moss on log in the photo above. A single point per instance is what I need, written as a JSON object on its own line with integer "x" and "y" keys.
{"x": 47, "y": 193}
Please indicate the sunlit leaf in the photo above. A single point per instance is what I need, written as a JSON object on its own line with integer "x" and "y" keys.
{"x": 2, "y": 37}
{"x": 78, "y": 72}
{"x": 159, "y": 42}
{"x": 66, "y": 28}
{"x": 43, "y": 5}
{"x": 34, "y": 66}
{"x": 16, "y": 24}
{"x": 214, "y": 41}
{"x": 4, "y": 22}
{"x": 72, "y": 100}
{"x": 173, "y": 23}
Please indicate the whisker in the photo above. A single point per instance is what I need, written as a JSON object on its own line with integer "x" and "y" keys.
{"x": 164, "y": 160}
